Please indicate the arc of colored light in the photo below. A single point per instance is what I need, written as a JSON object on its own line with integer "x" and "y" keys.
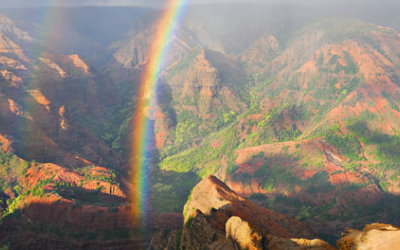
{"x": 166, "y": 27}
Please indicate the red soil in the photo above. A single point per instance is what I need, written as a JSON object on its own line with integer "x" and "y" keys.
{"x": 309, "y": 174}
{"x": 160, "y": 139}
{"x": 246, "y": 168}
{"x": 215, "y": 144}
{"x": 5, "y": 144}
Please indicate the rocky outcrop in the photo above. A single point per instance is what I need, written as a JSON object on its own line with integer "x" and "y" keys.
{"x": 213, "y": 196}
{"x": 261, "y": 53}
{"x": 216, "y": 217}
{"x": 52, "y": 65}
{"x": 275, "y": 243}
{"x": 242, "y": 233}
{"x": 79, "y": 63}
{"x": 165, "y": 241}
{"x": 8, "y": 28}
{"x": 35, "y": 103}
{"x": 9, "y": 47}
{"x": 372, "y": 237}
{"x": 201, "y": 232}
{"x": 135, "y": 48}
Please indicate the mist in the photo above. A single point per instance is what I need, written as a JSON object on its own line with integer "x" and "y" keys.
{"x": 160, "y": 3}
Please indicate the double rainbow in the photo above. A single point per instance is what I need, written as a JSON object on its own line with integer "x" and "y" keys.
{"x": 141, "y": 129}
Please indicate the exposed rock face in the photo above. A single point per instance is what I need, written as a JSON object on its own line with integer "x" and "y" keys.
{"x": 35, "y": 100}
{"x": 201, "y": 84}
{"x": 54, "y": 66}
{"x": 63, "y": 119}
{"x": 9, "y": 47}
{"x": 6, "y": 62}
{"x": 263, "y": 50}
{"x": 217, "y": 218}
{"x": 164, "y": 240}
{"x": 135, "y": 48}
{"x": 79, "y": 63}
{"x": 8, "y": 28}
{"x": 372, "y": 237}
{"x": 64, "y": 203}
{"x": 242, "y": 233}
{"x": 43, "y": 106}
{"x": 213, "y": 196}
{"x": 203, "y": 233}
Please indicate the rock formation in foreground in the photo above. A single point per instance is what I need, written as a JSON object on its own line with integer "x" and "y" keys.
{"x": 374, "y": 236}
{"x": 217, "y": 218}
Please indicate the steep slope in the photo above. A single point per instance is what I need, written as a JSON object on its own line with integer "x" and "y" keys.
{"x": 318, "y": 140}
{"x": 53, "y": 107}
{"x": 52, "y": 102}
{"x": 134, "y": 49}
{"x": 217, "y": 218}
{"x": 8, "y": 28}
{"x": 304, "y": 121}
{"x": 328, "y": 84}
{"x": 56, "y": 114}
{"x": 46, "y": 206}
{"x": 206, "y": 93}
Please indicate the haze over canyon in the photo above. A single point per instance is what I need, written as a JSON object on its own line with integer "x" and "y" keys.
{"x": 268, "y": 126}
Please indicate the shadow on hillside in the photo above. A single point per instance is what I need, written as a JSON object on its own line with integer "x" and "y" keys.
{"x": 328, "y": 208}
{"x": 49, "y": 223}
{"x": 36, "y": 130}
{"x": 88, "y": 196}
{"x": 168, "y": 190}
{"x": 165, "y": 101}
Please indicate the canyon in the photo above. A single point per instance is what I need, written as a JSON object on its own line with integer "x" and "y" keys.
{"x": 278, "y": 136}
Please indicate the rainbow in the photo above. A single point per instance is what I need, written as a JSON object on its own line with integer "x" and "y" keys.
{"x": 141, "y": 129}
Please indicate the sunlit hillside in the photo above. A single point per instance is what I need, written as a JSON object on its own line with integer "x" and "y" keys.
{"x": 257, "y": 126}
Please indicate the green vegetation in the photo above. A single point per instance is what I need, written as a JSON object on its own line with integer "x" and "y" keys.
{"x": 307, "y": 212}
{"x": 178, "y": 240}
{"x": 189, "y": 222}
{"x": 393, "y": 104}
{"x": 333, "y": 59}
{"x": 204, "y": 159}
{"x": 202, "y": 146}
{"x": 347, "y": 143}
{"x": 351, "y": 67}
{"x": 14, "y": 204}
{"x": 114, "y": 129}
{"x": 270, "y": 128}
{"x": 229, "y": 117}
{"x": 5, "y": 247}
{"x": 337, "y": 30}
{"x": 273, "y": 175}
{"x": 12, "y": 170}
{"x": 170, "y": 191}
{"x": 387, "y": 146}
{"x": 184, "y": 62}
{"x": 185, "y": 131}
